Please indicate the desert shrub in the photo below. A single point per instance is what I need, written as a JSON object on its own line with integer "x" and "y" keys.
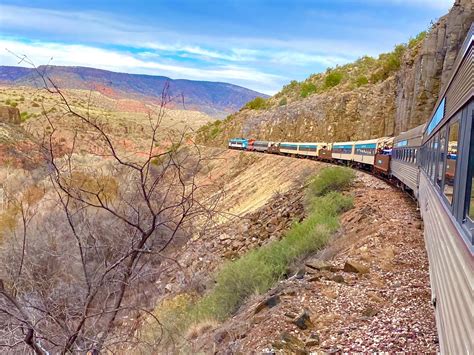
{"x": 361, "y": 80}
{"x": 8, "y": 219}
{"x": 417, "y": 39}
{"x": 258, "y": 270}
{"x": 292, "y": 86}
{"x": 331, "y": 179}
{"x": 307, "y": 89}
{"x": 11, "y": 103}
{"x": 24, "y": 116}
{"x": 389, "y": 63}
{"x": 259, "y": 103}
{"x": 93, "y": 188}
{"x": 333, "y": 78}
{"x": 210, "y": 131}
{"x": 283, "y": 102}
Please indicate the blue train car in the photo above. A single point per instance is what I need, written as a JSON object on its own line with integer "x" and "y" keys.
{"x": 238, "y": 143}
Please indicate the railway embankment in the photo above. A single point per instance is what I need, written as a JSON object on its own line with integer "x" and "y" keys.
{"x": 368, "y": 289}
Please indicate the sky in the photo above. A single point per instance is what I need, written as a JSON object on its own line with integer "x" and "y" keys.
{"x": 259, "y": 44}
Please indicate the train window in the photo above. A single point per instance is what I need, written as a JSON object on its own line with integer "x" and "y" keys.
{"x": 470, "y": 206}
{"x": 451, "y": 157}
{"x": 470, "y": 190}
{"x": 429, "y": 154}
{"x": 441, "y": 161}
{"x": 434, "y": 157}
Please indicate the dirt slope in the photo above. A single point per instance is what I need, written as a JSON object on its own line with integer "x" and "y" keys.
{"x": 386, "y": 309}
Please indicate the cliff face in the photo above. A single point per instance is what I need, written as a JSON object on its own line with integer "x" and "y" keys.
{"x": 399, "y": 102}
{"x": 419, "y": 81}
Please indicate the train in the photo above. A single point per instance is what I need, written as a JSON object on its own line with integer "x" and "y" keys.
{"x": 434, "y": 162}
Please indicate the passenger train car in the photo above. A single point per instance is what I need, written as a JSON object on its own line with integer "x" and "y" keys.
{"x": 436, "y": 163}
{"x": 405, "y": 156}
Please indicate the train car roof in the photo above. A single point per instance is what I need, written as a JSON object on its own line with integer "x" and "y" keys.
{"x": 343, "y": 143}
{"x": 368, "y": 141}
{"x": 308, "y": 143}
{"x": 463, "y": 51}
{"x": 413, "y": 133}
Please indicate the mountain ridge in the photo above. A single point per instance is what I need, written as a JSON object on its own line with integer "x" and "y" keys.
{"x": 214, "y": 98}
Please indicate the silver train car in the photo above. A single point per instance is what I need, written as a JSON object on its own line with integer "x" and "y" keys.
{"x": 446, "y": 198}
{"x": 261, "y": 146}
{"x": 405, "y": 156}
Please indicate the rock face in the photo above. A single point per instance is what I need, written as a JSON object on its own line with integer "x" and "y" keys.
{"x": 420, "y": 79}
{"x": 9, "y": 115}
{"x": 400, "y": 102}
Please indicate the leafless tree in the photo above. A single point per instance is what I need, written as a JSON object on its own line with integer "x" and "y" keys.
{"x": 82, "y": 259}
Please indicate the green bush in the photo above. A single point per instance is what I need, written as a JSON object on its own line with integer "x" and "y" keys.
{"x": 390, "y": 63}
{"x": 361, "y": 80}
{"x": 307, "y": 89}
{"x": 333, "y": 78}
{"x": 258, "y": 270}
{"x": 259, "y": 103}
{"x": 331, "y": 179}
{"x": 283, "y": 102}
{"x": 417, "y": 39}
{"x": 24, "y": 116}
{"x": 209, "y": 131}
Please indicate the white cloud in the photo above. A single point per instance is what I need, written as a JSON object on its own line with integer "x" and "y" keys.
{"x": 101, "y": 28}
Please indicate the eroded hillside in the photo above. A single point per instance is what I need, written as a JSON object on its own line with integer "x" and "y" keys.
{"x": 365, "y": 99}
{"x": 367, "y": 290}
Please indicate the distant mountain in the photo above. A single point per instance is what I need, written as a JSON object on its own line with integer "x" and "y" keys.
{"x": 214, "y": 98}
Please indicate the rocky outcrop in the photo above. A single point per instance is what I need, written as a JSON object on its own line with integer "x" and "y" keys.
{"x": 423, "y": 76}
{"x": 9, "y": 115}
{"x": 400, "y": 102}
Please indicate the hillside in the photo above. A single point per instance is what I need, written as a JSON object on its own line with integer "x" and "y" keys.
{"x": 213, "y": 98}
{"x": 371, "y": 97}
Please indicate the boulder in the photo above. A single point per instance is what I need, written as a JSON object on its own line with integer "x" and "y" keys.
{"x": 270, "y": 302}
{"x": 303, "y": 321}
{"x": 338, "y": 278}
{"x": 290, "y": 343}
{"x": 353, "y": 266}
{"x": 10, "y": 115}
{"x": 317, "y": 264}
{"x": 370, "y": 311}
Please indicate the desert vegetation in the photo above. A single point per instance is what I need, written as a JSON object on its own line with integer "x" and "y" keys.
{"x": 81, "y": 241}
{"x": 365, "y": 70}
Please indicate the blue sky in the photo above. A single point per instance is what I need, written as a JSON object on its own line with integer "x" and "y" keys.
{"x": 261, "y": 45}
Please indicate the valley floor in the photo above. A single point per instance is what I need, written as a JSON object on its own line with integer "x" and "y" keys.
{"x": 383, "y": 306}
